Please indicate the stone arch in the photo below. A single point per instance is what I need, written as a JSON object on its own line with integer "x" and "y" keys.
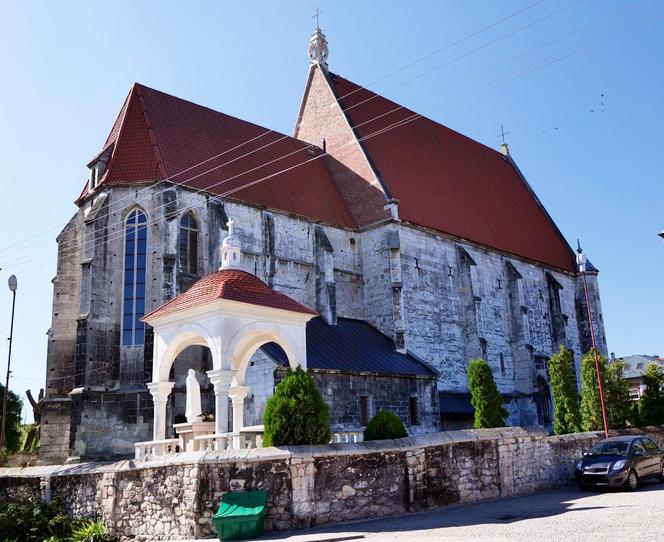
{"x": 251, "y": 337}
{"x": 183, "y": 337}
{"x": 130, "y": 209}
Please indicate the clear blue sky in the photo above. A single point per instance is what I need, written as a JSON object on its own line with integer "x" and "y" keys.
{"x": 67, "y": 66}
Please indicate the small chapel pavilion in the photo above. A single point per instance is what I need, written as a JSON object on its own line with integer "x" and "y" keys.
{"x": 233, "y": 313}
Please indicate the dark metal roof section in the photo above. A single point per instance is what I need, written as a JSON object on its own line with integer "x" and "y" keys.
{"x": 353, "y": 346}
{"x": 455, "y": 403}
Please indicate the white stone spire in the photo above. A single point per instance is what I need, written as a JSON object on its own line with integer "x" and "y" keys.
{"x": 318, "y": 49}
{"x": 231, "y": 249}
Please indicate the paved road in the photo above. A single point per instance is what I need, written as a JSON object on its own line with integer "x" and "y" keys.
{"x": 566, "y": 515}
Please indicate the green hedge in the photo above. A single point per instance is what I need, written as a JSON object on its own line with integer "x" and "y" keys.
{"x": 385, "y": 425}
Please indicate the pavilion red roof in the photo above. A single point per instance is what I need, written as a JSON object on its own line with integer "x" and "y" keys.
{"x": 233, "y": 285}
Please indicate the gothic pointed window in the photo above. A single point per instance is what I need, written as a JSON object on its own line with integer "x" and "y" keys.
{"x": 136, "y": 236}
{"x": 188, "y": 249}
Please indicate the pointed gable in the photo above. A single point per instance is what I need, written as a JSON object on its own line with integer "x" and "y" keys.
{"x": 450, "y": 183}
{"x": 158, "y": 136}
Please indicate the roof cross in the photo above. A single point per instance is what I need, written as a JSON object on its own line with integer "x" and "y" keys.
{"x": 502, "y": 133}
{"x": 316, "y": 15}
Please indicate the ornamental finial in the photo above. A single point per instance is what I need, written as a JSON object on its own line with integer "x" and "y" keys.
{"x": 318, "y": 47}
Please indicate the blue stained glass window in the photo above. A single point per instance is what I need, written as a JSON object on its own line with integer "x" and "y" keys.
{"x": 136, "y": 233}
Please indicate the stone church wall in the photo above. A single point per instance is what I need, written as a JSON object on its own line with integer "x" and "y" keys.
{"x": 85, "y": 351}
{"x": 437, "y": 302}
{"x": 174, "y": 498}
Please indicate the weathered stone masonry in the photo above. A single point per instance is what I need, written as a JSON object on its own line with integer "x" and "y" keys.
{"x": 309, "y": 485}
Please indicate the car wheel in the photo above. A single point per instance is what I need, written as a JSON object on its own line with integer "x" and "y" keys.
{"x": 632, "y": 481}
{"x": 661, "y": 473}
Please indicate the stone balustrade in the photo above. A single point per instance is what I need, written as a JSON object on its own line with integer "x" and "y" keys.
{"x": 144, "y": 451}
{"x": 341, "y": 437}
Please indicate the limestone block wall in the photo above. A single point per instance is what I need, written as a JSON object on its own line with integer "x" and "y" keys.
{"x": 174, "y": 498}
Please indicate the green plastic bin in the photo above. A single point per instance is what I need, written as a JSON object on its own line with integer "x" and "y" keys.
{"x": 240, "y": 515}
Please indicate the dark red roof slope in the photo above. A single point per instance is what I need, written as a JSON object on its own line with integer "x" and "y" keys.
{"x": 158, "y": 136}
{"x": 233, "y": 285}
{"x": 448, "y": 182}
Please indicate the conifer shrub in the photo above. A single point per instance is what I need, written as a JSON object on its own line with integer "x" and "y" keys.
{"x": 651, "y": 404}
{"x": 567, "y": 414}
{"x": 591, "y": 405}
{"x": 617, "y": 395}
{"x": 385, "y": 425}
{"x": 486, "y": 400}
{"x": 296, "y": 413}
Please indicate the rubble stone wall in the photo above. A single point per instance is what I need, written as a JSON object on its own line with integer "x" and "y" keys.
{"x": 174, "y": 498}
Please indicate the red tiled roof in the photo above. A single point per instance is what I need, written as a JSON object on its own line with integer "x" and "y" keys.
{"x": 158, "y": 136}
{"x": 233, "y": 285}
{"x": 450, "y": 183}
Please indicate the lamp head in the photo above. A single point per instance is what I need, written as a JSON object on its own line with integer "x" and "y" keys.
{"x": 580, "y": 258}
{"x": 12, "y": 283}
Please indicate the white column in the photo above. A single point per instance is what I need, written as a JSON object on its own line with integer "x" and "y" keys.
{"x": 221, "y": 379}
{"x": 160, "y": 392}
{"x": 237, "y": 395}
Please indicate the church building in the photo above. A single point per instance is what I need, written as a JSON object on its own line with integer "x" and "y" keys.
{"x": 375, "y": 247}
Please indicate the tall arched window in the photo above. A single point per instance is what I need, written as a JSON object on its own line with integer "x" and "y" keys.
{"x": 136, "y": 235}
{"x": 188, "y": 250}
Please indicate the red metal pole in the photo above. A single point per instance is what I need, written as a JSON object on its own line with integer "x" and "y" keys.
{"x": 592, "y": 335}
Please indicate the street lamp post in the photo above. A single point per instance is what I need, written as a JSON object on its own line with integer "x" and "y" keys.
{"x": 581, "y": 262}
{"x": 12, "y": 288}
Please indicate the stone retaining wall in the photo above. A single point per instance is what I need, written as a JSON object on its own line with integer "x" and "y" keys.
{"x": 308, "y": 485}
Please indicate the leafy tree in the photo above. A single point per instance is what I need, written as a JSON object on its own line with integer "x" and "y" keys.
{"x": 591, "y": 405}
{"x": 488, "y": 404}
{"x": 385, "y": 425}
{"x": 13, "y": 430}
{"x": 616, "y": 393}
{"x": 296, "y": 413}
{"x": 651, "y": 404}
{"x": 567, "y": 415}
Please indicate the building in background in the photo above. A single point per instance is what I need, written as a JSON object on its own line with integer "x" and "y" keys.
{"x": 635, "y": 368}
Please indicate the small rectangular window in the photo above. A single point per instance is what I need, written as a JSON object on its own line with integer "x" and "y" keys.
{"x": 365, "y": 409}
{"x": 414, "y": 411}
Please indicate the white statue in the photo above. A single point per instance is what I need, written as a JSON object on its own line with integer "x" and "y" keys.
{"x": 193, "y": 410}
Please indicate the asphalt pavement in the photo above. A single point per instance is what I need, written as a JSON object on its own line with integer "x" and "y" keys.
{"x": 564, "y": 515}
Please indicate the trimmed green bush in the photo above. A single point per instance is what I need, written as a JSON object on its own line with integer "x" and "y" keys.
{"x": 567, "y": 414}
{"x": 591, "y": 405}
{"x": 385, "y": 425}
{"x": 296, "y": 413}
{"x": 651, "y": 404}
{"x": 617, "y": 395}
{"x": 486, "y": 400}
